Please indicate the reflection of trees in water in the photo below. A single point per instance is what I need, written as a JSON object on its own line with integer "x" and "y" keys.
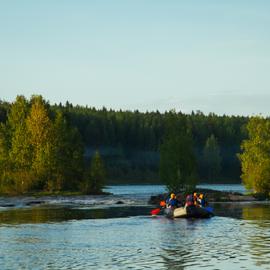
{"x": 247, "y": 211}
{"x": 239, "y": 241}
{"x": 45, "y": 215}
{"x": 258, "y": 235}
{"x": 256, "y": 212}
{"x": 18, "y": 216}
{"x": 256, "y": 229}
{"x": 233, "y": 210}
{"x": 179, "y": 244}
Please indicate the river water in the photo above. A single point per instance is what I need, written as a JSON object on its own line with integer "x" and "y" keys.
{"x": 117, "y": 232}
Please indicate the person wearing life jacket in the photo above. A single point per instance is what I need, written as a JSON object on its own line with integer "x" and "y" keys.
{"x": 162, "y": 204}
{"x": 189, "y": 200}
{"x": 201, "y": 200}
{"x": 180, "y": 200}
{"x": 172, "y": 201}
{"x": 195, "y": 199}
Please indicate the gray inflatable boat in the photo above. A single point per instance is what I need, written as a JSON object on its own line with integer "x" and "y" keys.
{"x": 189, "y": 212}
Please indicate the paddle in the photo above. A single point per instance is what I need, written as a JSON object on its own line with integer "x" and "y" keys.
{"x": 156, "y": 211}
{"x": 209, "y": 209}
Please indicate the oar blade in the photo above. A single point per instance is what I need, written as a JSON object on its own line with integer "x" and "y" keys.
{"x": 155, "y": 212}
{"x": 210, "y": 209}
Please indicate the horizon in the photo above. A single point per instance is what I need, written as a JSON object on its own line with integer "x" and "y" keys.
{"x": 146, "y": 56}
{"x": 130, "y": 110}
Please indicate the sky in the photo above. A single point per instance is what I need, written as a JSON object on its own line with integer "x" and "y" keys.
{"x": 207, "y": 55}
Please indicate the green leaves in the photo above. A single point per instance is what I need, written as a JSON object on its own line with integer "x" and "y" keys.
{"x": 67, "y": 163}
{"x": 37, "y": 150}
{"x": 212, "y": 158}
{"x": 95, "y": 176}
{"x": 177, "y": 162}
{"x": 16, "y": 175}
{"x": 255, "y": 158}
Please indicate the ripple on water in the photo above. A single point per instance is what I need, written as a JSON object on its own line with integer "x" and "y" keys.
{"x": 137, "y": 243}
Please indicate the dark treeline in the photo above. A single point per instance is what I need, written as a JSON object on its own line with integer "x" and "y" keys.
{"x": 129, "y": 141}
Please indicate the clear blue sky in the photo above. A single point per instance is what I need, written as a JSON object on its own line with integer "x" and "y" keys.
{"x": 206, "y": 55}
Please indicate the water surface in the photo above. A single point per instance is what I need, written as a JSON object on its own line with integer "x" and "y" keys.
{"x": 97, "y": 233}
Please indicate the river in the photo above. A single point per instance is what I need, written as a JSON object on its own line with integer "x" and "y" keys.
{"x": 117, "y": 232}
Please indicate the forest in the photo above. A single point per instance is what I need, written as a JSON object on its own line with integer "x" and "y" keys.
{"x": 129, "y": 141}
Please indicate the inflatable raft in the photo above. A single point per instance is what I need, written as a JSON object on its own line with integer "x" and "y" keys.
{"x": 189, "y": 212}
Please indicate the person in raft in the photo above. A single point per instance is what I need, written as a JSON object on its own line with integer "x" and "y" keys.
{"x": 172, "y": 201}
{"x": 195, "y": 199}
{"x": 190, "y": 200}
{"x": 201, "y": 200}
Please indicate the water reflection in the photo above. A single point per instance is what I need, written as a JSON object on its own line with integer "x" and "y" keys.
{"x": 248, "y": 211}
{"x": 45, "y": 214}
{"x": 220, "y": 243}
{"x": 68, "y": 237}
{"x": 256, "y": 212}
{"x": 58, "y": 213}
{"x": 259, "y": 245}
{"x": 259, "y": 233}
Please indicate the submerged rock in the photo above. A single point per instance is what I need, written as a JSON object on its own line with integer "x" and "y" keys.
{"x": 7, "y": 205}
{"x": 119, "y": 202}
{"x": 34, "y": 203}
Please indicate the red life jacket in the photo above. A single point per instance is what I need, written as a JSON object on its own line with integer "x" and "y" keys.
{"x": 189, "y": 200}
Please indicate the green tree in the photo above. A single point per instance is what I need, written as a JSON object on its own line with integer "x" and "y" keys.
{"x": 95, "y": 175}
{"x": 40, "y": 130}
{"x": 3, "y": 156}
{"x": 67, "y": 164}
{"x": 3, "y": 148}
{"x": 133, "y": 131}
{"x": 39, "y": 149}
{"x": 255, "y": 156}
{"x": 17, "y": 113}
{"x": 17, "y": 172}
{"x": 177, "y": 162}
{"x": 212, "y": 158}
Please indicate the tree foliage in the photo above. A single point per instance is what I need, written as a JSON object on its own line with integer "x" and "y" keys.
{"x": 67, "y": 167}
{"x": 212, "y": 158}
{"x": 255, "y": 156}
{"x": 16, "y": 174}
{"x": 38, "y": 150}
{"x": 177, "y": 161}
{"x": 39, "y": 127}
{"x": 95, "y": 175}
{"x": 129, "y": 141}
